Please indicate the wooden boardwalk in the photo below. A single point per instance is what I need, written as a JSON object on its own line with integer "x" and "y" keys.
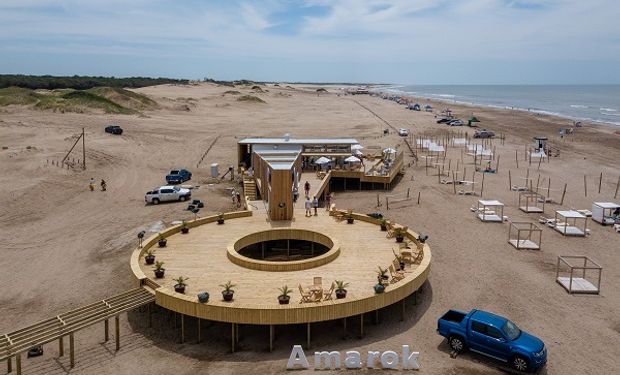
{"x": 202, "y": 256}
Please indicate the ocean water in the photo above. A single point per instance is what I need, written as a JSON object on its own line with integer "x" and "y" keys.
{"x": 597, "y": 103}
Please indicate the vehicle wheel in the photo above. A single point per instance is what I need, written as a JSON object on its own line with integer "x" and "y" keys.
{"x": 456, "y": 343}
{"x": 155, "y": 201}
{"x": 519, "y": 363}
{"x": 182, "y": 198}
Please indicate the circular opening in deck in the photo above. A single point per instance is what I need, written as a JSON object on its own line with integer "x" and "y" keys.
{"x": 283, "y": 249}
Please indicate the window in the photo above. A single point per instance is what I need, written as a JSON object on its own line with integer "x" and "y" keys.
{"x": 166, "y": 191}
{"x": 511, "y": 330}
{"x": 494, "y": 332}
{"x": 479, "y": 327}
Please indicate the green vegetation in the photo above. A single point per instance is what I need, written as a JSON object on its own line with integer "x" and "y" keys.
{"x": 80, "y": 83}
{"x": 250, "y": 98}
{"x": 107, "y": 99}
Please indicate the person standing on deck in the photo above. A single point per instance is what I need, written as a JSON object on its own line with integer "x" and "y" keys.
{"x": 328, "y": 201}
{"x": 295, "y": 194}
{"x": 315, "y": 204}
{"x": 308, "y": 206}
{"x": 307, "y": 189}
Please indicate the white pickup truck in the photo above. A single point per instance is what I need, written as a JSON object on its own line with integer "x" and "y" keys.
{"x": 167, "y": 194}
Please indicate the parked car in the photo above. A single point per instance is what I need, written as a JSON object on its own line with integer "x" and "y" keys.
{"x": 403, "y": 132}
{"x": 455, "y": 123}
{"x": 444, "y": 120}
{"x": 483, "y": 133}
{"x": 167, "y": 194}
{"x": 493, "y": 336}
{"x": 114, "y": 129}
{"x": 177, "y": 176}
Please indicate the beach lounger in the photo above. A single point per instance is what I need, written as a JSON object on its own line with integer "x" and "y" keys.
{"x": 396, "y": 275}
{"x": 305, "y": 296}
{"x": 328, "y": 295}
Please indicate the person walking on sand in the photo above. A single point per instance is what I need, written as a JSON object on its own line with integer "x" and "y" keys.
{"x": 307, "y": 189}
{"x": 91, "y": 185}
{"x": 308, "y": 206}
{"x": 315, "y": 205}
{"x": 233, "y": 195}
{"x": 295, "y": 194}
{"x": 328, "y": 201}
{"x": 238, "y": 199}
{"x": 103, "y": 185}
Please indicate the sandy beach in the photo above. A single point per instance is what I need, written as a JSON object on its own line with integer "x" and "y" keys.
{"x": 65, "y": 246}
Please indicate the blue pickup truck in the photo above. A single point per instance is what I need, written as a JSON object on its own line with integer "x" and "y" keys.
{"x": 177, "y": 176}
{"x": 492, "y": 336}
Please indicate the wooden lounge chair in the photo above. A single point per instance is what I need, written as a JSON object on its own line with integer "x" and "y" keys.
{"x": 396, "y": 275}
{"x": 328, "y": 295}
{"x": 305, "y": 296}
{"x": 318, "y": 281}
{"x": 407, "y": 255}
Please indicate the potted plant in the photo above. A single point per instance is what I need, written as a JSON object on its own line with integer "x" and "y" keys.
{"x": 284, "y": 297}
{"x": 228, "y": 292}
{"x": 149, "y": 258}
{"x": 162, "y": 241}
{"x": 379, "y": 288}
{"x": 400, "y": 259}
{"x": 341, "y": 292}
{"x": 220, "y": 218}
{"x": 383, "y": 223}
{"x": 382, "y": 275}
{"x": 159, "y": 269}
{"x": 399, "y": 234}
{"x": 349, "y": 216}
{"x": 203, "y": 297}
{"x": 184, "y": 227}
{"x": 179, "y": 287}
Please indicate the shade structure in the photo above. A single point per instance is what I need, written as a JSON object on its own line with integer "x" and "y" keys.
{"x": 357, "y": 147}
{"x": 322, "y": 160}
{"x": 357, "y": 152}
{"x": 352, "y": 159}
{"x": 389, "y": 150}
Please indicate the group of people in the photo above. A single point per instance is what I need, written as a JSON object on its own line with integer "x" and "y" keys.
{"x": 313, "y": 204}
{"x": 91, "y": 184}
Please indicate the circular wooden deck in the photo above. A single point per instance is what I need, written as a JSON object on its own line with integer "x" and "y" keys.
{"x": 203, "y": 255}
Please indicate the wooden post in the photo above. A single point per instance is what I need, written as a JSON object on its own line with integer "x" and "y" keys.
{"x": 182, "y": 328}
{"x": 537, "y": 182}
{"x": 271, "y": 338}
{"x": 482, "y": 188}
{"x": 539, "y": 161}
{"x": 232, "y": 337}
{"x": 9, "y": 365}
{"x": 517, "y": 158}
{"x": 387, "y": 203}
{"x": 600, "y": 182}
{"x": 199, "y": 327}
{"x": 497, "y": 165}
{"x": 402, "y": 316}
{"x": 61, "y": 346}
{"x": 117, "y": 332}
{"x": 308, "y": 336}
{"x": 18, "y": 363}
{"x": 361, "y": 325}
{"x": 378, "y": 201}
{"x": 585, "y": 185}
{"x": 344, "y": 328}
{"x": 563, "y": 194}
{"x": 453, "y": 183}
{"x": 71, "y": 350}
{"x": 376, "y": 316}
{"x": 509, "y": 181}
{"x": 151, "y": 314}
{"x": 106, "y": 330}
{"x": 438, "y": 175}
{"x": 83, "y": 149}
{"x": 617, "y": 186}
{"x": 419, "y": 197}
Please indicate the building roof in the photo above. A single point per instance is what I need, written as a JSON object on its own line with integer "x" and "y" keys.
{"x": 490, "y": 202}
{"x": 281, "y": 165}
{"x": 300, "y": 141}
{"x": 571, "y": 214}
{"x": 608, "y": 205}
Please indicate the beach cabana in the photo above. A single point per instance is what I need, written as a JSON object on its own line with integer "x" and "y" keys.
{"x": 523, "y": 235}
{"x": 571, "y": 223}
{"x": 602, "y": 212}
{"x": 531, "y": 202}
{"x": 352, "y": 159}
{"x": 322, "y": 160}
{"x": 574, "y": 273}
{"x": 490, "y": 211}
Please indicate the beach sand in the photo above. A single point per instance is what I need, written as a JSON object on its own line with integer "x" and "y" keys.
{"x": 64, "y": 246}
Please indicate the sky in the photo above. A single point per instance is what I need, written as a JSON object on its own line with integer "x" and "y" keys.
{"x": 398, "y": 41}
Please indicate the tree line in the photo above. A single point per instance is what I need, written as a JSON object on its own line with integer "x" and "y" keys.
{"x": 80, "y": 82}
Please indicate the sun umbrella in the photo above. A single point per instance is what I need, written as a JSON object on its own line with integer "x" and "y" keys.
{"x": 389, "y": 150}
{"x": 352, "y": 159}
{"x": 357, "y": 152}
{"x": 357, "y": 147}
{"x": 322, "y": 160}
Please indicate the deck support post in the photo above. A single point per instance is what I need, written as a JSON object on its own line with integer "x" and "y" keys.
{"x": 61, "y": 346}
{"x": 182, "y": 328}
{"x": 344, "y": 328}
{"x": 18, "y": 363}
{"x": 232, "y": 336}
{"x": 308, "y": 336}
{"x": 9, "y": 365}
{"x": 415, "y": 297}
{"x": 199, "y": 324}
{"x": 150, "y": 312}
{"x": 71, "y": 350}
{"x": 271, "y": 338}
{"x": 106, "y": 330}
{"x": 237, "y": 334}
{"x": 117, "y": 332}
{"x": 361, "y": 325}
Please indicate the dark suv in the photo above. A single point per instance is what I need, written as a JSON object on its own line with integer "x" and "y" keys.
{"x": 114, "y": 129}
{"x": 483, "y": 133}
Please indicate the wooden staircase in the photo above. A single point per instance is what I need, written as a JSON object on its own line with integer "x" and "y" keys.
{"x": 249, "y": 188}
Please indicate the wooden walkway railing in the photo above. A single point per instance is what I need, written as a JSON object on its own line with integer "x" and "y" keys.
{"x": 15, "y": 343}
